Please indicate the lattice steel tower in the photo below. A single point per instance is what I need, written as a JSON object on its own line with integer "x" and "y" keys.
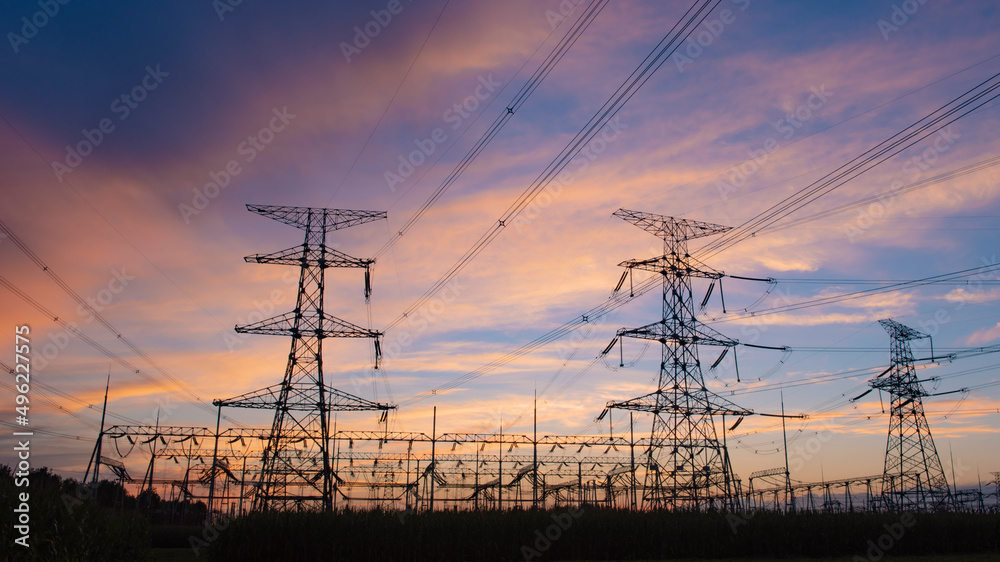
{"x": 687, "y": 467}
{"x": 296, "y": 471}
{"x": 913, "y": 477}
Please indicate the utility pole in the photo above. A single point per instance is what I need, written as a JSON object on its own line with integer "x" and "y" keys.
{"x": 534, "y": 443}
{"x": 95, "y": 457}
{"x": 789, "y": 496}
{"x": 433, "y": 467}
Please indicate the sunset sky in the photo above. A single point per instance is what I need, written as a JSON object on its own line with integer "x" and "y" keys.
{"x": 117, "y": 119}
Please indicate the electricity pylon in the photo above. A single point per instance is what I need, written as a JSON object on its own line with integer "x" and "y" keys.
{"x": 296, "y": 471}
{"x": 687, "y": 467}
{"x": 913, "y": 478}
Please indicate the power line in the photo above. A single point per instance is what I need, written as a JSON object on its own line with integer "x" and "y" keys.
{"x": 863, "y": 293}
{"x": 670, "y": 42}
{"x": 72, "y": 329}
{"x": 870, "y": 158}
{"x": 885, "y": 195}
{"x": 551, "y": 60}
{"x": 619, "y": 299}
{"x": 961, "y": 106}
{"x": 184, "y": 388}
{"x": 851, "y": 118}
{"x": 36, "y": 384}
{"x": 46, "y": 432}
{"x": 391, "y": 100}
{"x": 97, "y": 212}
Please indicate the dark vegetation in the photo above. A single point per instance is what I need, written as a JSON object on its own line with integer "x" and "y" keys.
{"x": 74, "y": 522}
{"x": 70, "y": 521}
{"x": 599, "y": 535}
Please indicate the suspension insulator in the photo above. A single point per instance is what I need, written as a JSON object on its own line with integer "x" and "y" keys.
{"x": 708, "y": 294}
{"x": 719, "y": 360}
{"x": 862, "y": 395}
{"x": 610, "y": 345}
{"x": 621, "y": 281}
{"x": 368, "y": 283}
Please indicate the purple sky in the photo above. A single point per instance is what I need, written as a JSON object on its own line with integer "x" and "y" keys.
{"x": 117, "y": 121}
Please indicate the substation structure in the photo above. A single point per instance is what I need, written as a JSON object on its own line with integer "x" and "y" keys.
{"x": 465, "y": 471}
{"x": 303, "y": 463}
{"x": 398, "y": 470}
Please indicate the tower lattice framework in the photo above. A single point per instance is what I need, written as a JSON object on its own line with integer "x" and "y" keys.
{"x": 687, "y": 467}
{"x": 295, "y": 469}
{"x": 913, "y": 478}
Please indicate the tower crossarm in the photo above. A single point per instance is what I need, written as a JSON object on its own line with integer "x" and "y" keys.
{"x": 668, "y": 265}
{"x": 670, "y": 227}
{"x": 324, "y": 326}
{"x": 659, "y": 331}
{"x": 900, "y": 378}
{"x": 315, "y": 219}
{"x": 899, "y": 386}
{"x": 298, "y": 398}
{"x": 767, "y": 472}
{"x": 899, "y": 332}
{"x": 302, "y": 256}
{"x": 117, "y": 467}
{"x": 654, "y": 402}
{"x": 341, "y": 401}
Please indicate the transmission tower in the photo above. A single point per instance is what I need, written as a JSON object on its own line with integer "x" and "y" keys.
{"x": 295, "y": 469}
{"x": 913, "y": 478}
{"x": 687, "y": 467}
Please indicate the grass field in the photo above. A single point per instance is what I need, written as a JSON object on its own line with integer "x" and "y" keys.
{"x": 186, "y": 554}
